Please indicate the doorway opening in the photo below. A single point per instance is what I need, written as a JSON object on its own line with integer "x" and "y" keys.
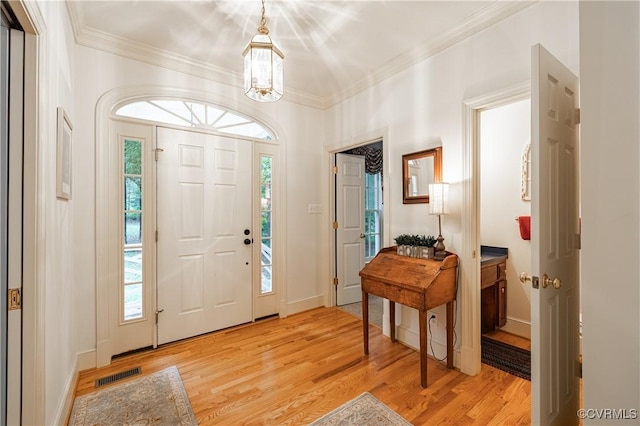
{"x": 358, "y": 222}
{"x": 505, "y": 248}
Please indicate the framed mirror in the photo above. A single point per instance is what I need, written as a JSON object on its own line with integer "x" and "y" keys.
{"x": 419, "y": 169}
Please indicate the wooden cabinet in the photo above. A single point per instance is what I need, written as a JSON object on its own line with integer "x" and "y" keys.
{"x": 493, "y": 284}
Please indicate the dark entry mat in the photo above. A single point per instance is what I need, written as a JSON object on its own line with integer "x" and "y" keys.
{"x": 507, "y": 358}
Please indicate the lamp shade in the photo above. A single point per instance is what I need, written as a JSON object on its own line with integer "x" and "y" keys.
{"x": 439, "y": 198}
{"x": 263, "y": 70}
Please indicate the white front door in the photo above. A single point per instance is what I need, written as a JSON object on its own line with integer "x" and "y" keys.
{"x": 350, "y": 181}
{"x": 555, "y": 242}
{"x": 204, "y": 218}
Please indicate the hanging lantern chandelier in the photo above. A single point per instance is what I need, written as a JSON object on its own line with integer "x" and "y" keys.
{"x": 263, "y": 80}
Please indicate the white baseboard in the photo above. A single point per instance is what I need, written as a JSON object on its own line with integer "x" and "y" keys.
{"x": 304, "y": 305}
{"x": 469, "y": 362}
{"x": 66, "y": 402}
{"x": 86, "y": 360}
{"x": 518, "y": 327}
{"x": 411, "y": 338}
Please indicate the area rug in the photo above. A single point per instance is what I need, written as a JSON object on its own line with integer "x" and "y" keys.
{"x": 375, "y": 310}
{"x": 364, "y": 410}
{"x": 507, "y": 358}
{"x": 156, "y": 399}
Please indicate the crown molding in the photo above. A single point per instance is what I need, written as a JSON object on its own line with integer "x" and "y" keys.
{"x": 120, "y": 46}
{"x": 477, "y": 22}
{"x": 90, "y": 37}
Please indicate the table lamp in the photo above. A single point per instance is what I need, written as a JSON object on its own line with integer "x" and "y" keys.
{"x": 439, "y": 204}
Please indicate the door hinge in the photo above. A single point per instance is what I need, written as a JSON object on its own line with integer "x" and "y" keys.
{"x": 335, "y": 281}
{"x": 15, "y": 302}
{"x": 576, "y": 118}
{"x": 158, "y": 313}
{"x": 156, "y": 235}
{"x": 156, "y": 151}
{"x": 473, "y": 254}
{"x": 578, "y": 241}
{"x": 335, "y": 170}
{"x": 335, "y": 225}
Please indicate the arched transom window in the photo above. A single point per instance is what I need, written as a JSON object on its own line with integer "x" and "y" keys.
{"x": 194, "y": 114}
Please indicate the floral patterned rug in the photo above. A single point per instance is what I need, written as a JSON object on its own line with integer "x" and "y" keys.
{"x": 365, "y": 409}
{"x": 156, "y": 399}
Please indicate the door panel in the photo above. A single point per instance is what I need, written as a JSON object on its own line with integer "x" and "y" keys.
{"x": 204, "y": 266}
{"x": 350, "y": 208}
{"x": 555, "y": 228}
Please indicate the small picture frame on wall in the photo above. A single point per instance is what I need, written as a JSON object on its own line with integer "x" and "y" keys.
{"x": 526, "y": 174}
{"x": 63, "y": 165}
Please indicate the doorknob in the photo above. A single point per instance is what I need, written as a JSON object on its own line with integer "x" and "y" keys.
{"x": 546, "y": 281}
{"x": 534, "y": 280}
{"x": 247, "y": 241}
{"x": 556, "y": 283}
{"x": 361, "y": 235}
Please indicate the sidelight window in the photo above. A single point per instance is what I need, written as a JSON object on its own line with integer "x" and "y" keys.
{"x": 266, "y": 216}
{"x": 372, "y": 215}
{"x": 132, "y": 294}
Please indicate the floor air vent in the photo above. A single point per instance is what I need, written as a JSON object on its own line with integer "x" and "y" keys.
{"x": 118, "y": 376}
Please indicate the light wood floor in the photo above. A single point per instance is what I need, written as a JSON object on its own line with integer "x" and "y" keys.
{"x": 509, "y": 338}
{"x": 292, "y": 371}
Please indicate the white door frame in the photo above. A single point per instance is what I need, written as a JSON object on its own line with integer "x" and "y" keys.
{"x": 330, "y": 151}
{"x": 33, "y": 266}
{"x": 107, "y": 225}
{"x": 470, "y": 355}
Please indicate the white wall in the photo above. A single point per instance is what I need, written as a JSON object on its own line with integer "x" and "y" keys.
{"x": 610, "y": 157}
{"x": 422, "y": 108}
{"x": 504, "y": 133}
{"x": 55, "y": 280}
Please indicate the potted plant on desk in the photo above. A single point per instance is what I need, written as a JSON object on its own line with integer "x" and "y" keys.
{"x": 421, "y": 246}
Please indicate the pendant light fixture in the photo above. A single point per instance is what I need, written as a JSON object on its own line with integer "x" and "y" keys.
{"x": 263, "y": 81}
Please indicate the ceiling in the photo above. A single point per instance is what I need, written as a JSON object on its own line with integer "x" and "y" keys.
{"x": 333, "y": 48}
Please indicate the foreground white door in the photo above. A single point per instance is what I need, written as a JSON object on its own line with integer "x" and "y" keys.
{"x": 204, "y": 218}
{"x": 350, "y": 233}
{"x": 555, "y": 242}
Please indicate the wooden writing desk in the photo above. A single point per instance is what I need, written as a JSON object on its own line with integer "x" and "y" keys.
{"x": 421, "y": 284}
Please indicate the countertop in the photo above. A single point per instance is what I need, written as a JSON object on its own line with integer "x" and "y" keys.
{"x": 490, "y": 255}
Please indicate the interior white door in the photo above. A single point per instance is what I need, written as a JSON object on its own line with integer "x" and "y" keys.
{"x": 350, "y": 233}
{"x": 554, "y": 241}
{"x": 204, "y": 208}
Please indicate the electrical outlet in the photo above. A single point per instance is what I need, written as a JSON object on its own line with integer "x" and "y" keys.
{"x": 434, "y": 318}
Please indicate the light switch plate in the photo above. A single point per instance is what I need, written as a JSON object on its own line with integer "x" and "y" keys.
{"x": 315, "y": 209}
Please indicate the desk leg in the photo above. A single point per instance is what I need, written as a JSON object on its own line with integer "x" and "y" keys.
{"x": 392, "y": 320}
{"x": 365, "y": 321}
{"x": 450, "y": 335}
{"x": 422, "y": 317}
